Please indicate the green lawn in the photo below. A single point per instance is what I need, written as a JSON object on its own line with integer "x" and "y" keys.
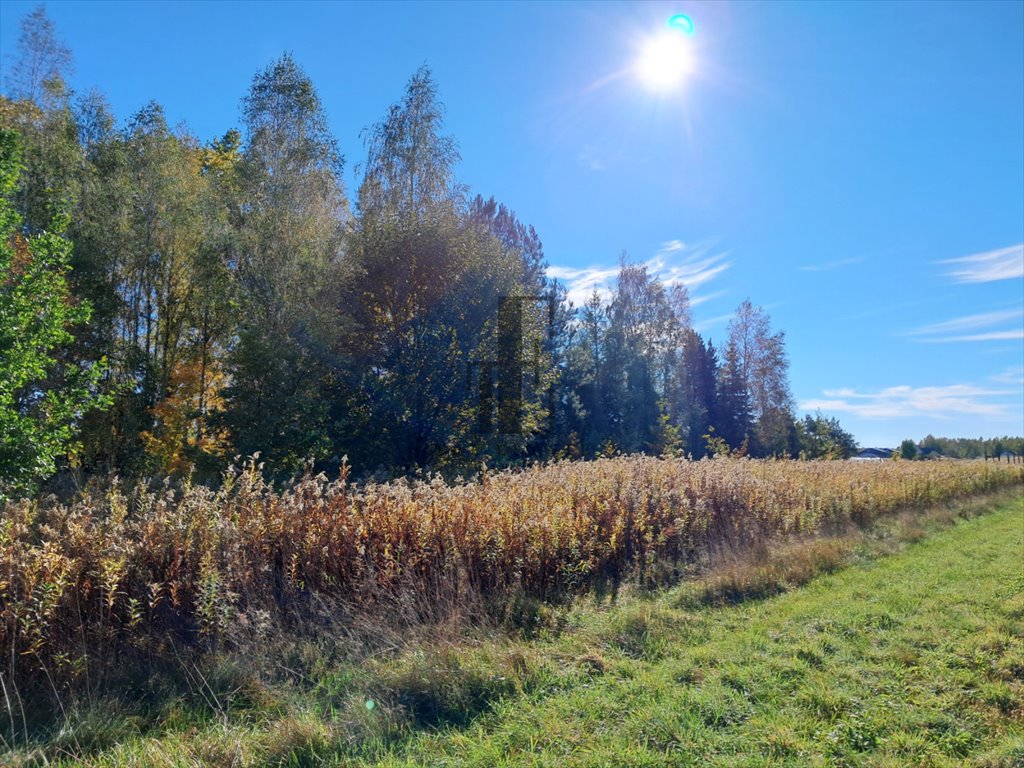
{"x": 913, "y": 659}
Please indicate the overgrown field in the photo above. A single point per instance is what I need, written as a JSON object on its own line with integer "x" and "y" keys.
{"x": 158, "y": 568}
{"x": 897, "y": 652}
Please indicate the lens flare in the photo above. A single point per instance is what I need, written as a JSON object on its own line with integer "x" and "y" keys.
{"x": 682, "y": 22}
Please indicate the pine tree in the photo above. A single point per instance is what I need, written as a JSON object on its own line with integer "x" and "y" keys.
{"x": 734, "y": 420}
{"x": 695, "y": 392}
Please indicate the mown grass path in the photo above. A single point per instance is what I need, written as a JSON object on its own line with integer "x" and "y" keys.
{"x": 915, "y": 659}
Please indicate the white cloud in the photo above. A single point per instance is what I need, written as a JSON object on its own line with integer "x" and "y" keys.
{"x": 581, "y": 283}
{"x": 959, "y": 329}
{"x": 829, "y": 265}
{"x": 695, "y": 266}
{"x": 674, "y": 263}
{"x": 906, "y": 401}
{"x": 971, "y": 322}
{"x": 989, "y": 336}
{"x": 1013, "y": 375}
{"x": 696, "y": 301}
{"x": 1000, "y": 264}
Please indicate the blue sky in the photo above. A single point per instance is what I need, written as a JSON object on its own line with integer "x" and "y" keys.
{"x": 857, "y": 169}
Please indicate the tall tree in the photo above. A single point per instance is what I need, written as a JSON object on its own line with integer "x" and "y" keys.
{"x": 289, "y": 265}
{"x": 586, "y": 418}
{"x": 734, "y": 420}
{"x": 409, "y": 360}
{"x": 642, "y": 342}
{"x": 515, "y": 236}
{"x": 41, "y": 399}
{"x": 432, "y": 324}
{"x": 762, "y": 361}
{"x": 139, "y": 248}
{"x": 185, "y": 435}
{"x": 410, "y": 168}
{"x": 546, "y": 316}
{"x": 695, "y": 392}
{"x": 43, "y": 62}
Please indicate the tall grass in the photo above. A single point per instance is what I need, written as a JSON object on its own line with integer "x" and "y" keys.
{"x": 149, "y": 569}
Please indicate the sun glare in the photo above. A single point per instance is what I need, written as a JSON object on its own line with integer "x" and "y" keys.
{"x": 665, "y": 61}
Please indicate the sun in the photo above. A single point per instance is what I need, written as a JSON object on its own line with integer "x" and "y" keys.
{"x": 665, "y": 61}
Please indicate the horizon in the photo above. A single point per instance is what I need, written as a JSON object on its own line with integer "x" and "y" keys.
{"x": 867, "y": 193}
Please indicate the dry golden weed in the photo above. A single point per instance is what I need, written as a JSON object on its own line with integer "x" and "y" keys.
{"x": 115, "y": 569}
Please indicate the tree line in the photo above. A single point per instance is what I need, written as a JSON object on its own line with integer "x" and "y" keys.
{"x": 968, "y": 447}
{"x": 208, "y": 300}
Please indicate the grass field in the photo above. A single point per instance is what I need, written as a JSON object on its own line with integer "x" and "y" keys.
{"x": 909, "y": 652}
{"x": 916, "y": 659}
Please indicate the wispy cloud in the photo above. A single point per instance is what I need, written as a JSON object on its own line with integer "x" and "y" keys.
{"x": 711, "y": 322}
{"x": 1013, "y": 375}
{"x": 990, "y": 336}
{"x": 906, "y": 401}
{"x": 1000, "y": 264}
{"x": 589, "y": 157}
{"x": 829, "y": 265}
{"x": 696, "y": 301}
{"x": 692, "y": 266}
{"x": 581, "y": 283}
{"x": 675, "y": 263}
{"x": 979, "y": 327}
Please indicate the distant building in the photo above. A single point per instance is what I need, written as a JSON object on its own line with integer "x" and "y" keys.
{"x": 872, "y": 454}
